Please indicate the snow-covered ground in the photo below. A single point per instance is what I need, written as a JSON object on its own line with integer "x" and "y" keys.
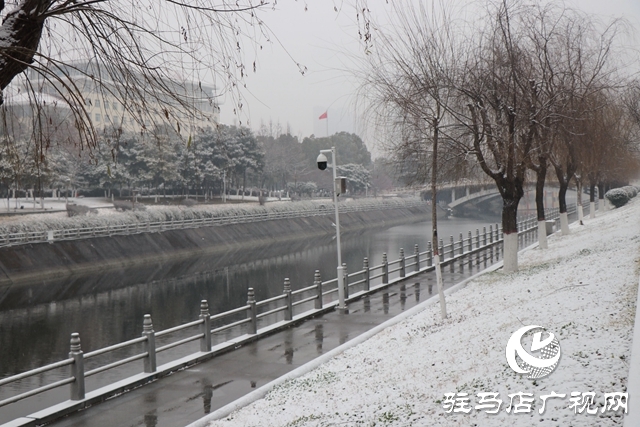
{"x": 582, "y": 289}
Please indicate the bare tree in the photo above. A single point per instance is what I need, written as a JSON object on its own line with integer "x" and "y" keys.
{"x": 585, "y": 68}
{"x": 512, "y": 94}
{"x": 407, "y": 88}
{"x": 543, "y": 24}
{"x": 142, "y": 54}
{"x": 501, "y": 120}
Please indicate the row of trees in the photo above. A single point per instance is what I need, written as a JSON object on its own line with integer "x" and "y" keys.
{"x": 525, "y": 90}
{"x": 198, "y": 165}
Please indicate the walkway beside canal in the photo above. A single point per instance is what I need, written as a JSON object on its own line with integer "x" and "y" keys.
{"x": 192, "y": 393}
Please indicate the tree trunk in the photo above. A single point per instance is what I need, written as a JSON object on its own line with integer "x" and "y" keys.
{"x": 562, "y": 203}
{"x": 592, "y": 199}
{"x": 579, "y": 200}
{"x": 22, "y": 30}
{"x": 602, "y": 204}
{"x": 541, "y": 175}
{"x": 244, "y": 182}
{"x": 434, "y": 220}
{"x": 510, "y": 230}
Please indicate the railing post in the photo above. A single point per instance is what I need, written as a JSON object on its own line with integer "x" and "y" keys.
{"x": 453, "y": 247}
{"x": 252, "y": 311}
{"x": 318, "y": 284}
{"x": 441, "y": 250}
{"x": 385, "y": 269}
{"x": 77, "y": 368}
{"x": 416, "y": 253}
{"x": 491, "y": 234}
{"x": 205, "y": 326}
{"x": 477, "y": 238}
{"x": 346, "y": 280}
{"x": 484, "y": 236}
{"x": 429, "y": 255}
{"x": 288, "y": 313}
{"x": 470, "y": 242}
{"x": 149, "y": 344}
{"x": 461, "y": 244}
{"x": 497, "y": 233}
{"x": 367, "y": 274}
{"x": 402, "y": 263}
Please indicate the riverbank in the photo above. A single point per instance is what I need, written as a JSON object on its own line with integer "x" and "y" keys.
{"x": 583, "y": 289}
{"x": 27, "y": 264}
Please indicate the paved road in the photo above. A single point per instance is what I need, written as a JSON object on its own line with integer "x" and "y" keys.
{"x": 186, "y": 396}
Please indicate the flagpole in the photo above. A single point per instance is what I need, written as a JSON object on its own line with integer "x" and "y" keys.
{"x": 325, "y": 116}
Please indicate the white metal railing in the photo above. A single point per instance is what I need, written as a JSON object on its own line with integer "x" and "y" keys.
{"x": 22, "y": 238}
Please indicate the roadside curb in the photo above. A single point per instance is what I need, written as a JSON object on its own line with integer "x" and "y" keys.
{"x": 632, "y": 419}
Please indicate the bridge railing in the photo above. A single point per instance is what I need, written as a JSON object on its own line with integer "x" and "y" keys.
{"x": 279, "y": 310}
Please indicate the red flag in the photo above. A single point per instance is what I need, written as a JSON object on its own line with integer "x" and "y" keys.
{"x": 323, "y": 116}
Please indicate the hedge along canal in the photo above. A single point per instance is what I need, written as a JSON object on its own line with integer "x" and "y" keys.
{"x": 28, "y": 264}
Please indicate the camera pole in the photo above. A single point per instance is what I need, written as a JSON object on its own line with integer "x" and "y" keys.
{"x": 340, "y": 269}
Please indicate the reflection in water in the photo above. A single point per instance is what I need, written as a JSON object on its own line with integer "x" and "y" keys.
{"x": 36, "y": 320}
{"x": 288, "y": 347}
{"x": 385, "y": 302}
{"x": 151, "y": 419}
{"x": 416, "y": 292}
{"x": 207, "y": 395}
{"x": 403, "y": 296}
{"x": 207, "y": 392}
{"x": 366, "y": 300}
{"x": 319, "y": 329}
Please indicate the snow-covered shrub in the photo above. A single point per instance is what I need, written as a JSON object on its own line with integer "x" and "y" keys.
{"x": 76, "y": 210}
{"x": 631, "y": 191}
{"x": 123, "y": 205}
{"x": 618, "y": 197}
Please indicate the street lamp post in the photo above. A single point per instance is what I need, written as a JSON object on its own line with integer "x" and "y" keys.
{"x": 322, "y": 165}
{"x": 224, "y": 186}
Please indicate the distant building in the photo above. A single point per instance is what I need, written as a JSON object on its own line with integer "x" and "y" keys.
{"x": 133, "y": 107}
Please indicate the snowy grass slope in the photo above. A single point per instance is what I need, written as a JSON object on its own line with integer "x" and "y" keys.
{"x": 583, "y": 289}
{"x": 59, "y": 221}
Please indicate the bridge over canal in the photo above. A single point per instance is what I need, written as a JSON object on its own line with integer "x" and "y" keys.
{"x": 472, "y": 198}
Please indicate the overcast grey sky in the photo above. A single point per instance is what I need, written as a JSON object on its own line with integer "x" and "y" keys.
{"x": 326, "y": 42}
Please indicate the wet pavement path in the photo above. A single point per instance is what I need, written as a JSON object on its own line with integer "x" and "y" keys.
{"x": 188, "y": 395}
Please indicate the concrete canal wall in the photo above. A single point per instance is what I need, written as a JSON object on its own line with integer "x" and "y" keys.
{"x": 29, "y": 264}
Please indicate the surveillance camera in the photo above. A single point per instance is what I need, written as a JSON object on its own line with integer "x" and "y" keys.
{"x": 322, "y": 162}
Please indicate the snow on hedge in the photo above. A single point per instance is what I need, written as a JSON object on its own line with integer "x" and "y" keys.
{"x": 620, "y": 196}
{"x": 583, "y": 289}
{"x": 631, "y": 190}
{"x": 45, "y": 222}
